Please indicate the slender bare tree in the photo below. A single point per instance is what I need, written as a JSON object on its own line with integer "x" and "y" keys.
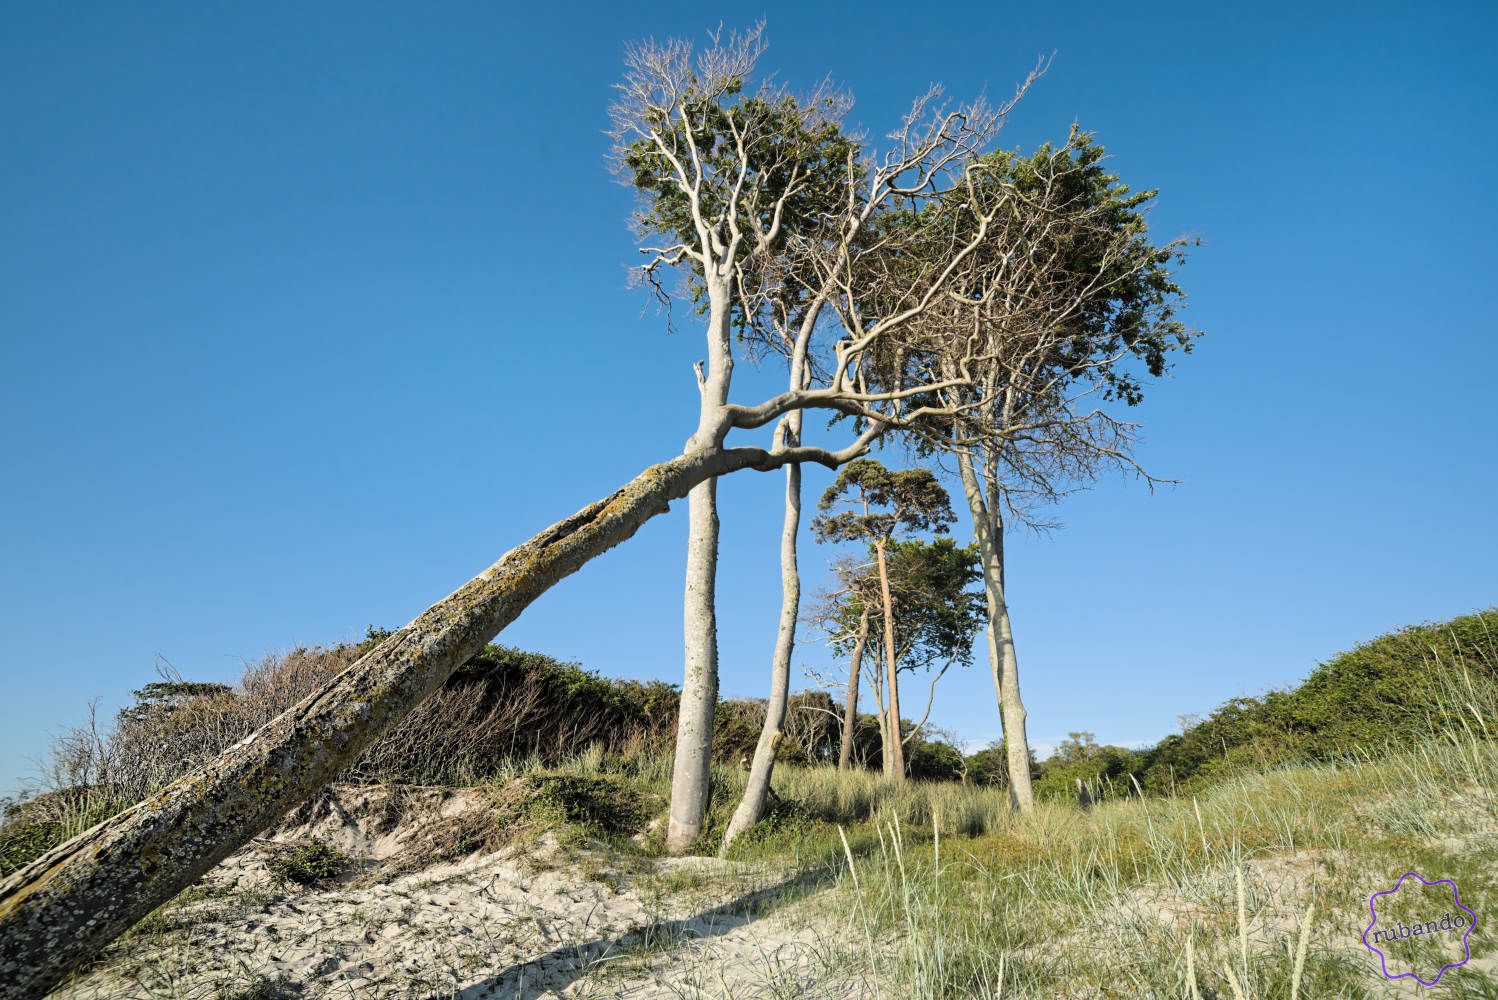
{"x": 850, "y": 708}
{"x": 847, "y": 634}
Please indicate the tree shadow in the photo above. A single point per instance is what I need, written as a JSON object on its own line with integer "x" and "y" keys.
{"x": 559, "y": 968}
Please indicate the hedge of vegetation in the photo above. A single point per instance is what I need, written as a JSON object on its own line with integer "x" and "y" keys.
{"x": 504, "y": 705}
{"x": 509, "y": 705}
{"x": 1382, "y": 693}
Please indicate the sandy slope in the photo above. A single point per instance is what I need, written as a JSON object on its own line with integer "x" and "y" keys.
{"x": 518, "y": 922}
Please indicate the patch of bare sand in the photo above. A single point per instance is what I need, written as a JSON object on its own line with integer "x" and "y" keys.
{"x": 414, "y": 919}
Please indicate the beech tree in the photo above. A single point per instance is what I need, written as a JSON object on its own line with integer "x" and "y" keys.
{"x": 683, "y": 124}
{"x": 882, "y": 503}
{"x": 761, "y": 203}
{"x": 1074, "y": 306}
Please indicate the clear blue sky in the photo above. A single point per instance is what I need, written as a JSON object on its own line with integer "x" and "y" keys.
{"x": 310, "y": 311}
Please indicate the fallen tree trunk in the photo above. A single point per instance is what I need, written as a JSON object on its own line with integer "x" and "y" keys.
{"x": 64, "y": 907}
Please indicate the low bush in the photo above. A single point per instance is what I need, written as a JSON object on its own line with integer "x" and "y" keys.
{"x": 601, "y": 805}
{"x": 502, "y": 707}
{"x": 314, "y": 864}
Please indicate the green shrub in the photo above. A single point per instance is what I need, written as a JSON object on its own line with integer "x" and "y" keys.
{"x": 933, "y": 761}
{"x": 314, "y": 864}
{"x": 1381, "y": 694}
{"x": 1079, "y": 757}
{"x": 601, "y": 805}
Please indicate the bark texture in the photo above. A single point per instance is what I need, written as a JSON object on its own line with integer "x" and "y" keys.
{"x": 692, "y": 766}
{"x": 850, "y": 709}
{"x": 988, "y": 528}
{"x": 63, "y": 908}
{"x": 691, "y": 772}
{"x": 756, "y": 790}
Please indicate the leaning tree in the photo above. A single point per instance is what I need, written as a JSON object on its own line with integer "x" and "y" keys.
{"x": 61, "y": 909}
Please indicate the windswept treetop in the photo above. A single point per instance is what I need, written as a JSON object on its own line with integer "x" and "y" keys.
{"x": 882, "y": 501}
{"x": 1069, "y": 307}
{"x": 771, "y": 213}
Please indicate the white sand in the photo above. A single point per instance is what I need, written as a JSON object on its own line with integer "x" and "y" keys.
{"x": 534, "y": 922}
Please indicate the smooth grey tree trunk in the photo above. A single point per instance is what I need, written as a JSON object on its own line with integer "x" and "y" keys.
{"x": 691, "y": 773}
{"x": 988, "y": 529}
{"x": 63, "y": 908}
{"x": 692, "y": 770}
{"x": 894, "y": 750}
{"x": 850, "y": 709}
{"x": 756, "y": 790}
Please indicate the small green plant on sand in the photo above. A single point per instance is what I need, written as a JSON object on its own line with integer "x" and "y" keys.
{"x": 316, "y": 863}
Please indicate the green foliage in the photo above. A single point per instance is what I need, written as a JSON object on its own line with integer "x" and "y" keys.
{"x": 989, "y": 767}
{"x": 1093, "y": 235}
{"x": 936, "y": 615}
{"x": 933, "y": 615}
{"x": 33, "y": 828}
{"x": 785, "y": 823}
{"x": 314, "y": 864}
{"x": 1382, "y": 693}
{"x": 602, "y": 805}
{"x": 793, "y": 154}
{"x": 913, "y": 499}
{"x": 1080, "y": 757}
{"x": 1130, "y": 312}
{"x": 165, "y": 696}
{"x": 934, "y": 761}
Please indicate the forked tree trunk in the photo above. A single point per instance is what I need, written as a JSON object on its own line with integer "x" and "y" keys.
{"x": 894, "y": 751}
{"x": 988, "y": 529}
{"x": 850, "y": 710}
{"x": 691, "y": 772}
{"x": 64, "y": 907}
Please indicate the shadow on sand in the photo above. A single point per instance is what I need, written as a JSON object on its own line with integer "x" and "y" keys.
{"x": 554, "y": 971}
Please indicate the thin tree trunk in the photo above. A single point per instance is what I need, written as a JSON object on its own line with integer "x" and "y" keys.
{"x": 63, "y": 908}
{"x": 757, "y": 788}
{"x": 988, "y": 529}
{"x": 850, "y": 710}
{"x": 881, "y": 715}
{"x": 752, "y": 806}
{"x": 692, "y": 770}
{"x": 894, "y": 754}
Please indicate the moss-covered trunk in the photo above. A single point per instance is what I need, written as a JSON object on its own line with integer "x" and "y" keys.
{"x": 63, "y": 908}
